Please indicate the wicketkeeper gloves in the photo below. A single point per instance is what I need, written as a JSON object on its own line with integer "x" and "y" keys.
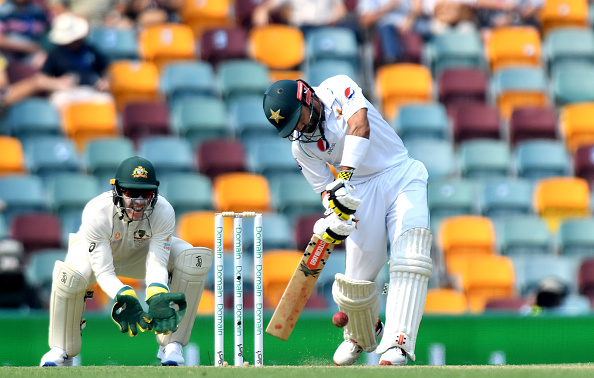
{"x": 166, "y": 310}
{"x": 128, "y": 313}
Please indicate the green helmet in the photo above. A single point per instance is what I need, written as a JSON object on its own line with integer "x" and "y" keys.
{"x": 136, "y": 173}
{"x": 282, "y": 104}
{"x": 135, "y": 182}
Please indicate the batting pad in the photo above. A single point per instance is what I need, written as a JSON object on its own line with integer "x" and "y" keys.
{"x": 188, "y": 277}
{"x": 67, "y": 304}
{"x": 410, "y": 270}
{"x": 360, "y": 301}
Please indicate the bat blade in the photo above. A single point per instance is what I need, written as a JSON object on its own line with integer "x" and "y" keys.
{"x": 299, "y": 288}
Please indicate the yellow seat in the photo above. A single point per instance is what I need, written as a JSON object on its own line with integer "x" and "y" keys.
{"x": 84, "y": 121}
{"x": 241, "y": 191}
{"x": 575, "y": 125}
{"x": 12, "y": 157}
{"x": 563, "y": 13}
{"x": 133, "y": 81}
{"x": 402, "y": 83}
{"x": 100, "y": 298}
{"x": 165, "y": 43}
{"x": 278, "y": 266}
{"x": 445, "y": 301}
{"x": 513, "y": 46}
{"x": 200, "y": 15}
{"x": 197, "y": 228}
{"x": 466, "y": 235}
{"x": 207, "y": 303}
{"x": 488, "y": 277}
{"x": 280, "y": 47}
{"x": 558, "y": 198}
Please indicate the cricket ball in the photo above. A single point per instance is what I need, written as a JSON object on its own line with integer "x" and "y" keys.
{"x": 340, "y": 319}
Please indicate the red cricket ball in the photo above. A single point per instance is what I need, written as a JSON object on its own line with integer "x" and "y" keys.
{"x": 340, "y": 319}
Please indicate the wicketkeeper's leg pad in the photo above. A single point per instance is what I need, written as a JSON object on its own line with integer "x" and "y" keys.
{"x": 67, "y": 305}
{"x": 360, "y": 301}
{"x": 410, "y": 270}
{"x": 188, "y": 277}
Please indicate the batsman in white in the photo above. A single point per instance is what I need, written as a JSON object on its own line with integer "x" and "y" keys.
{"x": 128, "y": 232}
{"x": 334, "y": 123}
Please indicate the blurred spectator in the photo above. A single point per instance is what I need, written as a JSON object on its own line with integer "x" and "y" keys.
{"x": 446, "y": 15}
{"x": 94, "y": 11}
{"x": 73, "y": 56}
{"x": 142, "y": 13}
{"x": 548, "y": 296}
{"x": 494, "y": 13}
{"x": 22, "y": 26}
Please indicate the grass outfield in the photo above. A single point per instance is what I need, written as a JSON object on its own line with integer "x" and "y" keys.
{"x": 507, "y": 371}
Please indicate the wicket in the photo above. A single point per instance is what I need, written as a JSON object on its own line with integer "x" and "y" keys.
{"x": 219, "y": 313}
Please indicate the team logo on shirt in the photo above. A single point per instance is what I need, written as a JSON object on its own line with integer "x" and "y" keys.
{"x": 139, "y": 172}
{"x": 141, "y": 234}
{"x": 338, "y": 113}
{"x": 349, "y": 93}
{"x": 323, "y": 144}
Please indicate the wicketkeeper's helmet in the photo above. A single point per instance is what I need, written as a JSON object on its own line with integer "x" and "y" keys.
{"x": 135, "y": 179}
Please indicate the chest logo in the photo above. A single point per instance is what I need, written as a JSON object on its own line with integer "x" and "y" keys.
{"x": 349, "y": 93}
{"x": 322, "y": 145}
{"x": 141, "y": 234}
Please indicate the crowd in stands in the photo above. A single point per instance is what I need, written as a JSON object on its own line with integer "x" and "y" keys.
{"x": 496, "y": 97}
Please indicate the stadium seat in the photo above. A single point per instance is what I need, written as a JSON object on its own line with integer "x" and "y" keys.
{"x": 169, "y": 154}
{"x": 412, "y": 48}
{"x": 466, "y": 235}
{"x": 586, "y": 279}
{"x": 39, "y": 270}
{"x": 575, "y": 237}
{"x": 241, "y": 192}
{"x": 443, "y": 301}
{"x": 425, "y": 121}
{"x": 475, "y": 120}
{"x": 270, "y": 156}
{"x": 450, "y": 197}
{"x": 247, "y": 119}
{"x": 484, "y": 158}
{"x": 223, "y": 155}
{"x": 144, "y": 119}
{"x": 203, "y": 15}
{"x": 279, "y": 266}
{"x": 198, "y": 119}
{"x": 187, "y": 192}
{"x": 575, "y": 125}
{"x": 132, "y": 80}
{"x": 12, "y": 156}
{"x": 102, "y": 157}
{"x": 207, "y": 303}
{"x": 540, "y": 158}
{"x": 558, "y": 198}
{"x": 333, "y": 43}
{"x": 22, "y": 193}
{"x": 48, "y": 155}
{"x": 276, "y": 232}
{"x": 242, "y": 77}
{"x": 513, "y": 305}
{"x": 454, "y": 49}
{"x": 114, "y": 43}
{"x": 279, "y": 47}
{"x": 33, "y": 117}
{"x": 525, "y": 235}
{"x": 563, "y": 13}
{"x": 583, "y": 163}
{"x": 187, "y": 78}
{"x": 36, "y": 231}
{"x": 564, "y": 268}
{"x": 437, "y": 155}
{"x": 572, "y": 83}
{"x": 197, "y": 228}
{"x": 513, "y": 46}
{"x": 512, "y": 87}
{"x": 401, "y": 83}
{"x": 460, "y": 85}
{"x": 83, "y": 121}
{"x": 292, "y": 195}
{"x": 505, "y": 196}
{"x": 316, "y": 72}
{"x": 69, "y": 193}
{"x": 224, "y": 43}
{"x": 532, "y": 122}
{"x": 568, "y": 45}
{"x": 166, "y": 43}
{"x": 303, "y": 228}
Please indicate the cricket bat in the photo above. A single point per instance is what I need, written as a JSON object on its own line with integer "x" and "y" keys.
{"x": 299, "y": 288}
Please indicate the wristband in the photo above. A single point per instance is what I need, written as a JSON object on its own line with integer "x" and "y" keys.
{"x": 354, "y": 151}
{"x": 345, "y": 175}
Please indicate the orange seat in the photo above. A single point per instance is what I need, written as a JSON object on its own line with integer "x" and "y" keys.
{"x": 241, "y": 191}
{"x": 279, "y": 266}
{"x": 12, "y": 157}
{"x": 575, "y": 125}
{"x": 513, "y": 46}
{"x": 445, "y": 301}
{"x": 165, "y": 43}
{"x": 558, "y": 198}
{"x": 200, "y": 15}
{"x": 488, "y": 277}
{"x": 563, "y": 13}
{"x": 401, "y": 83}
{"x": 206, "y": 305}
{"x": 466, "y": 235}
{"x": 279, "y": 47}
{"x": 102, "y": 301}
{"x": 197, "y": 228}
{"x": 83, "y": 121}
{"x": 133, "y": 81}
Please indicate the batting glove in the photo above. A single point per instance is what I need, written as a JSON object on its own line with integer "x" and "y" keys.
{"x": 334, "y": 229}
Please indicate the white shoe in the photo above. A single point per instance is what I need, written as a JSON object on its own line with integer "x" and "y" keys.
{"x": 394, "y": 356}
{"x": 56, "y": 357}
{"x": 348, "y": 352}
{"x": 171, "y": 355}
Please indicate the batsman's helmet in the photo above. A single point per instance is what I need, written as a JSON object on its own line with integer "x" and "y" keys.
{"x": 283, "y": 102}
{"x": 135, "y": 178}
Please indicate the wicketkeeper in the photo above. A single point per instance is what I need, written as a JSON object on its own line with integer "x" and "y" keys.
{"x": 335, "y": 124}
{"x": 127, "y": 232}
